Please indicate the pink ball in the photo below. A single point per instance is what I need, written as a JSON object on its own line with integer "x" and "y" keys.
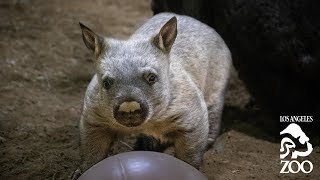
{"x": 142, "y": 165}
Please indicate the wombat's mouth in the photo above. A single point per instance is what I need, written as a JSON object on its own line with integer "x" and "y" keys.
{"x": 131, "y": 119}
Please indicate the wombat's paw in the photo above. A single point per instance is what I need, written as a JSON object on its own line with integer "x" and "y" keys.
{"x": 147, "y": 143}
{"x": 76, "y": 174}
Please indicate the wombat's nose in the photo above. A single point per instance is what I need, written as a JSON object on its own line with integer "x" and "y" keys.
{"x": 129, "y": 107}
{"x": 130, "y": 112}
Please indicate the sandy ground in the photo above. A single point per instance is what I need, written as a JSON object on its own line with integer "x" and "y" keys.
{"x": 45, "y": 68}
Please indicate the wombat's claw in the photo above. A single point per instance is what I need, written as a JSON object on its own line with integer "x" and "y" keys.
{"x": 76, "y": 174}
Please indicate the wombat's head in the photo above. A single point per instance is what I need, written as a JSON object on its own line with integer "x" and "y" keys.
{"x": 133, "y": 75}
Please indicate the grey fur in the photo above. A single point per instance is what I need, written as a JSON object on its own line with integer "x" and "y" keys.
{"x": 183, "y": 104}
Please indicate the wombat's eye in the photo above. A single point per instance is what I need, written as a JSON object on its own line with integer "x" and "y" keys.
{"x": 151, "y": 78}
{"x": 107, "y": 83}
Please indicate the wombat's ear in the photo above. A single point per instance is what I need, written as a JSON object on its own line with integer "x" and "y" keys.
{"x": 93, "y": 41}
{"x": 167, "y": 35}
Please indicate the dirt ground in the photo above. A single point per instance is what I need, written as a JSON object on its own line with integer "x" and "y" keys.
{"x": 44, "y": 71}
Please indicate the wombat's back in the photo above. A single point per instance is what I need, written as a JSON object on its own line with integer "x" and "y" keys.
{"x": 198, "y": 50}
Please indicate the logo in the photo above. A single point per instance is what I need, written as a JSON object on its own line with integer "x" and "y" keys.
{"x": 288, "y": 146}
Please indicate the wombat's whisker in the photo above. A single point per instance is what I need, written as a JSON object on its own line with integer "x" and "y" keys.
{"x": 124, "y": 143}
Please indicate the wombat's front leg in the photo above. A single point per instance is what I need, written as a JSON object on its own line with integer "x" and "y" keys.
{"x": 95, "y": 144}
{"x": 191, "y": 146}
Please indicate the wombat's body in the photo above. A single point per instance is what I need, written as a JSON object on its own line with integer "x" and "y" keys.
{"x": 182, "y": 106}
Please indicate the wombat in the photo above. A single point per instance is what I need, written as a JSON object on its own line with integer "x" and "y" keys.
{"x": 165, "y": 82}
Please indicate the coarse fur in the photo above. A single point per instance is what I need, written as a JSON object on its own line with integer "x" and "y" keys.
{"x": 184, "y": 106}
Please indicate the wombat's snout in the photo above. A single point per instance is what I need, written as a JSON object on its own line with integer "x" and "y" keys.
{"x": 130, "y": 112}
